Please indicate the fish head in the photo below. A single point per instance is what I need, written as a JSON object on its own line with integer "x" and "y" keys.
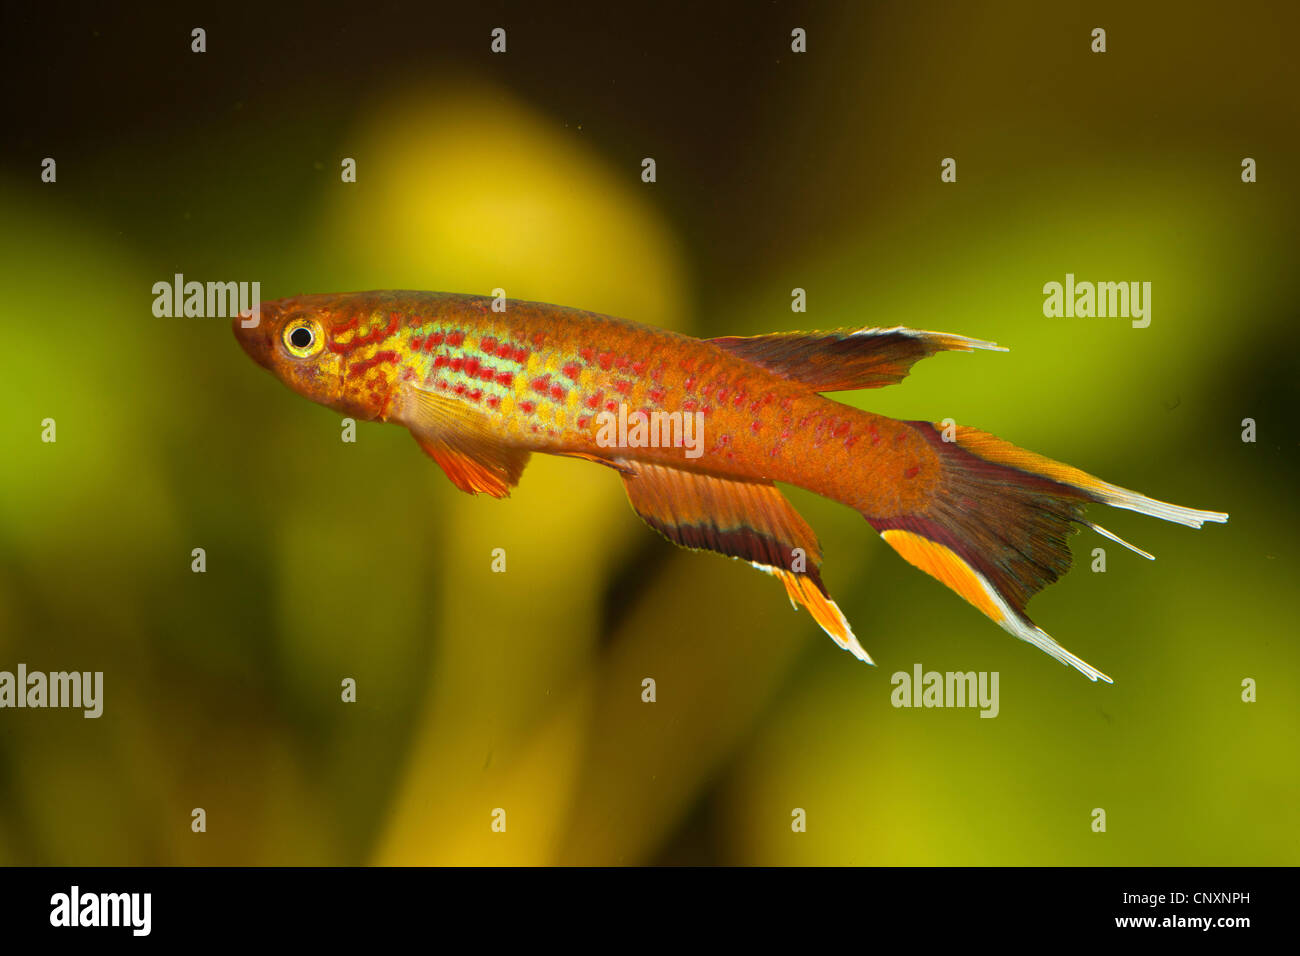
{"x": 304, "y": 342}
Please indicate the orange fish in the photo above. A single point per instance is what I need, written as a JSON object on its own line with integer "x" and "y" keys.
{"x": 700, "y": 432}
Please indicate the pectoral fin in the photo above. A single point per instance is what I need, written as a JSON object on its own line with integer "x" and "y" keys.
{"x": 460, "y": 440}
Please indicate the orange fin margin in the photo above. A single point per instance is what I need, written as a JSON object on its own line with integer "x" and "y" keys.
{"x": 484, "y": 469}
{"x": 1002, "y": 452}
{"x": 948, "y": 567}
{"x": 741, "y": 519}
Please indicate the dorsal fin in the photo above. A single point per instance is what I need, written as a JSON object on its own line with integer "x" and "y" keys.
{"x": 846, "y": 358}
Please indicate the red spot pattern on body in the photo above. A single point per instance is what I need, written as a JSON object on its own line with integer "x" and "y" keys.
{"x": 505, "y": 378}
{"x": 488, "y": 345}
{"x": 541, "y": 384}
{"x": 606, "y": 360}
{"x": 363, "y": 339}
{"x": 638, "y": 367}
{"x": 528, "y": 407}
{"x": 439, "y": 361}
{"x": 558, "y": 393}
{"x": 593, "y": 401}
{"x": 756, "y": 426}
{"x": 456, "y": 339}
{"x": 611, "y": 406}
{"x": 657, "y": 395}
{"x": 622, "y": 363}
{"x": 690, "y": 405}
{"x": 583, "y": 421}
{"x": 417, "y": 342}
{"x": 366, "y": 365}
{"x": 587, "y": 355}
{"x": 494, "y": 401}
{"x": 622, "y": 386}
{"x": 841, "y": 430}
{"x": 912, "y": 472}
{"x": 457, "y": 364}
{"x": 571, "y": 371}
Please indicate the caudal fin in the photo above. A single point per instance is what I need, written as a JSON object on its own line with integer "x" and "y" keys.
{"x": 996, "y": 530}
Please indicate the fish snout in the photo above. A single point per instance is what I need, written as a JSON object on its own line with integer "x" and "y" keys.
{"x": 253, "y": 330}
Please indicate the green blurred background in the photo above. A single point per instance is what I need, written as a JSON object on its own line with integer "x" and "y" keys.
{"x": 522, "y": 690}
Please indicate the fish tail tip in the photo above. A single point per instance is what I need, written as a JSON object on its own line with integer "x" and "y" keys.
{"x": 861, "y": 654}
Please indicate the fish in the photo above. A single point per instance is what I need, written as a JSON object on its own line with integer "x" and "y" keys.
{"x": 701, "y": 431}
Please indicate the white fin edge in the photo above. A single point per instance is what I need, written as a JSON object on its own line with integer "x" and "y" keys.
{"x": 850, "y": 641}
{"x": 1118, "y": 540}
{"x": 1017, "y": 626}
{"x": 1118, "y": 497}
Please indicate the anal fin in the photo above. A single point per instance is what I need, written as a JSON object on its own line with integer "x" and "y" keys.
{"x": 750, "y": 520}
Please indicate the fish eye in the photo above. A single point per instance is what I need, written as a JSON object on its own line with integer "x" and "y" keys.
{"x": 302, "y": 338}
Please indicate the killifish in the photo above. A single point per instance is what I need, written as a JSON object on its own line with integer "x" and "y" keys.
{"x": 701, "y": 431}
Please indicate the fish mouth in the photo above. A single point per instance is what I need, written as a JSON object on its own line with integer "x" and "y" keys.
{"x": 256, "y": 338}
